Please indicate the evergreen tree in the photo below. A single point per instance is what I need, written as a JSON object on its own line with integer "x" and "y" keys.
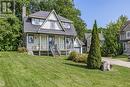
{"x": 94, "y": 57}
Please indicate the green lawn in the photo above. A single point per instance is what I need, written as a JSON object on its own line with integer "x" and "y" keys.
{"x": 21, "y": 70}
{"x": 121, "y": 57}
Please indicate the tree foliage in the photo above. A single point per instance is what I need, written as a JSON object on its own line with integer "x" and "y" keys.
{"x": 112, "y": 44}
{"x": 9, "y": 33}
{"x": 94, "y": 57}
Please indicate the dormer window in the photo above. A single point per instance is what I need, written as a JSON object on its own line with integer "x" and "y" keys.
{"x": 36, "y": 21}
{"x": 66, "y": 25}
{"x": 128, "y": 35}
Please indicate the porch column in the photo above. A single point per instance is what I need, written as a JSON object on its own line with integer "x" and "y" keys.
{"x": 81, "y": 49}
{"x": 65, "y": 47}
{"x": 27, "y": 41}
{"x": 39, "y": 44}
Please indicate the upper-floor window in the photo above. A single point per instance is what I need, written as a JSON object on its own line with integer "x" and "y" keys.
{"x": 128, "y": 35}
{"x": 37, "y": 21}
{"x": 66, "y": 25}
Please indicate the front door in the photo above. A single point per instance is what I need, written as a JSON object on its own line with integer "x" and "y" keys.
{"x": 51, "y": 41}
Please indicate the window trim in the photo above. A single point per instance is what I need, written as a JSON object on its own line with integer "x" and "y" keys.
{"x": 127, "y": 37}
{"x": 30, "y": 35}
{"x": 68, "y": 25}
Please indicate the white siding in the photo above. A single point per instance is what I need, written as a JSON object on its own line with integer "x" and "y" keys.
{"x": 61, "y": 42}
{"x": 76, "y": 44}
{"x": 44, "y": 42}
{"x": 52, "y": 17}
{"x": 47, "y": 25}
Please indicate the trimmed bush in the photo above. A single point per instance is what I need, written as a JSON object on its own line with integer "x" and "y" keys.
{"x": 22, "y": 49}
{"x": 81, "y": 58}
{"x": 77, "y": 57}
{"x": 72, "y": 55}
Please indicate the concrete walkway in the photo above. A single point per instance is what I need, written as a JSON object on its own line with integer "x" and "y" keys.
{"x": 117, "y": 62}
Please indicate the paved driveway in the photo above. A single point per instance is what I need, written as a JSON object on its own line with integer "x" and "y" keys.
{"x": 117, "y": 62}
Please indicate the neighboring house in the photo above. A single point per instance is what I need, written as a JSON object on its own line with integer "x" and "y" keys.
{"x": 125, "y": 37}
{"x": 47, "y": 33}
{"x": 78, "y": 45}
{"x": 87, "y": 41}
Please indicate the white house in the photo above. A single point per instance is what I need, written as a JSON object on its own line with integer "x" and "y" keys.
{"x": 47, "y": 33}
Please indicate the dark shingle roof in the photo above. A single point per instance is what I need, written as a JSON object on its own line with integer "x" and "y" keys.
{"x": 44, "y": 14}
{"x": 29, "y": 27}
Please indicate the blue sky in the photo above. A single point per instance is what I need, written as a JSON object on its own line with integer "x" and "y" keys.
{"x": 103, "y": 11}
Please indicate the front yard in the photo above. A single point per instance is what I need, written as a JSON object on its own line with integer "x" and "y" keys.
{"x": 21, "y": 70}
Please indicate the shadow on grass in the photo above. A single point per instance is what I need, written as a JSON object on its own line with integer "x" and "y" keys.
{"x": 77, "y": 65}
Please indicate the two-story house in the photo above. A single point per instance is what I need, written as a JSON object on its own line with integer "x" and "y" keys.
{"x": 47, "y": 33}
{"x": 125, "y": 37}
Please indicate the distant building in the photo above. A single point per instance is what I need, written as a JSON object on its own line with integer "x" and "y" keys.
{"x": 125, "y": 37}
{"x": 87, "y": 41}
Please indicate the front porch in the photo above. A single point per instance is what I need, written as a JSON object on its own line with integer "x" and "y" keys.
{"x": 40, "y": 44}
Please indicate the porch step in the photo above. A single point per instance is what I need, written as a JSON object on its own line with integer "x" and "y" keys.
{"x": 55, "y": 51}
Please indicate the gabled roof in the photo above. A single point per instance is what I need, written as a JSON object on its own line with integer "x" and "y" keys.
{"x": 53, "y": 11}
{"x": 44, "y": 15}
{"x": 89, "y": 35}
{"x": 125, "y": 25}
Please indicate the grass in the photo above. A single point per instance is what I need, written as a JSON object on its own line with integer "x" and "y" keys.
{"x": 21, "y": 70}
{"x": 121, "y": 57}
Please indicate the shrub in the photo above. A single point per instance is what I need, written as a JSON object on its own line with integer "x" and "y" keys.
{"x": 77, "y": 57}
{"x": 72, "y": 55}
{"x": 22, "y": 49}
{"x": 81, "y": 58}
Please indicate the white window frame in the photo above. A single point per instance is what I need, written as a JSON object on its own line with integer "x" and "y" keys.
{"x": 66, "y": 25}
{"x": 31, "y": 38}
{"x": 127, "y": 37}
{"x": 36, "y": 21}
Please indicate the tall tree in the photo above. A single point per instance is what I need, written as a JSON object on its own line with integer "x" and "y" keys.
{"x": 94, "y": 57}
{"x": 112, "y": 44}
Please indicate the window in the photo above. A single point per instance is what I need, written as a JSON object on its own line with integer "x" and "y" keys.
{"x": 128, "y": 34}
{"x": 37, "y": 21}
{"x": 66, "y": 25}
{"x": 52, "y": 24}
{"x": 30, "y": 39}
